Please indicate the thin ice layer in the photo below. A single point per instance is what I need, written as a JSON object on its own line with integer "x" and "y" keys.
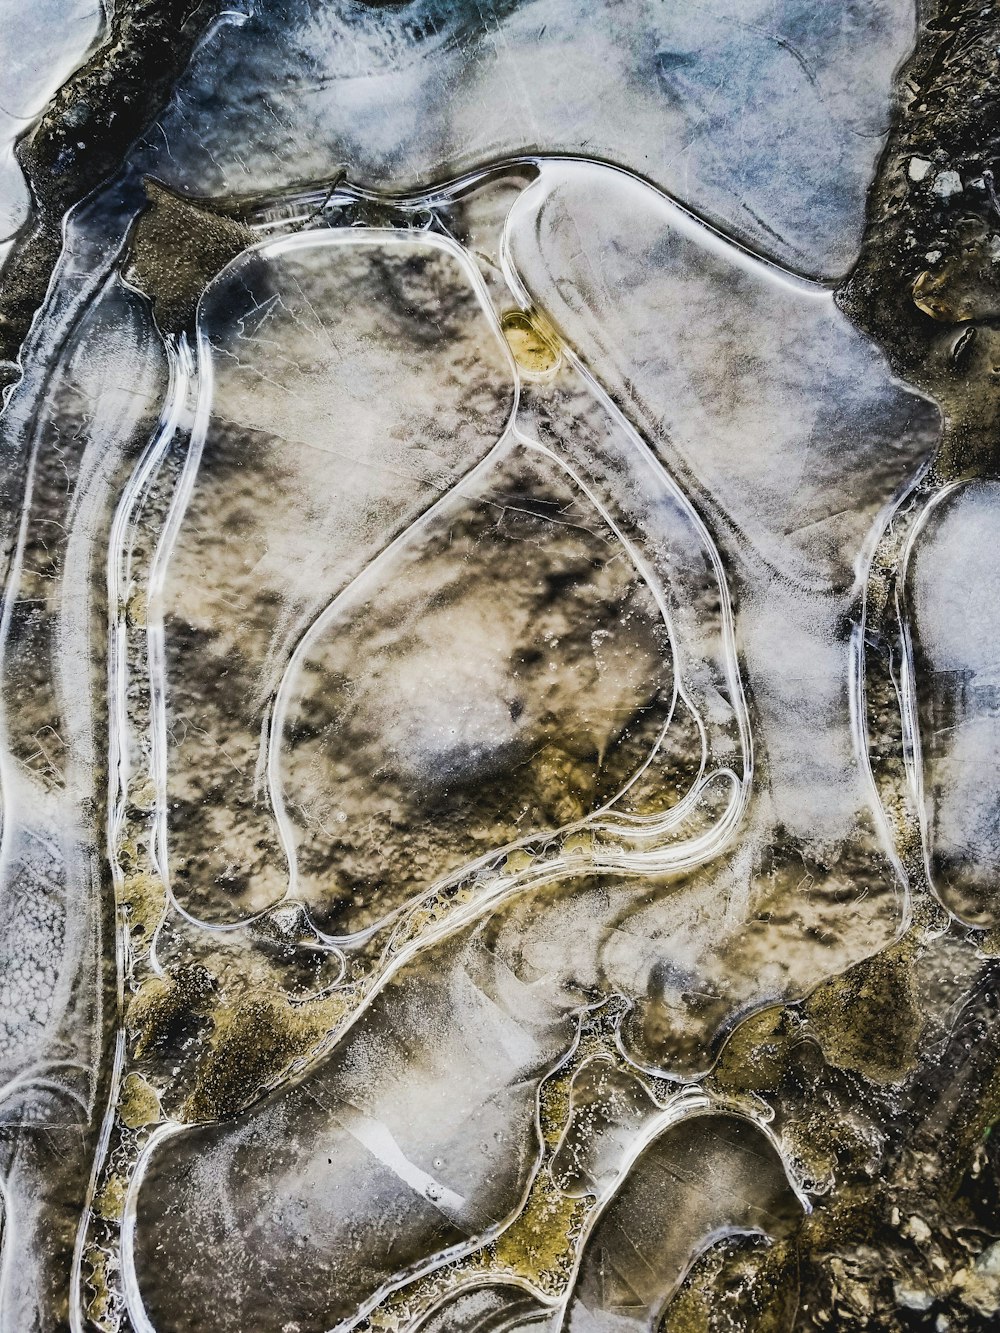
{"x": 692, "y": 946}
{"x": 503, "y": 673}
{"x": 379, "y": 1159}
{"x": 787, "y": 428}
{"x": 348, "y": 382}
{"x": 953, "y": 584}
{"x": 767, "y": 116}
{"x": 484, "y": 1000}
{"x": 707, "y": 1177}
{"x": 67, "y": 443}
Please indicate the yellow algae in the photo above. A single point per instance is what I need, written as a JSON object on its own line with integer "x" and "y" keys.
{"x": 533, "y": 350}
{"x": 252, "y": 1045}
{"x": 555, "y": 1106}
{"x": 97, "y": 1306}
{"x": 867, "y": 1018}
{"x": 517, "y": 861}
{"x": 144, "y": 899}
{"x": 757, "y": 1053}
{"x": 138, "y": 1103}
{"x": 110, "y": 1200}
{"x": 540, "y": 1245}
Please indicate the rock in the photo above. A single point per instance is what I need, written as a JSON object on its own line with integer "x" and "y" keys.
{"x": 946, "y": 184}
{"x": 918, "y": 1230}
{"x": 979, "y": 1286}
{"x": 912, "y": 1297}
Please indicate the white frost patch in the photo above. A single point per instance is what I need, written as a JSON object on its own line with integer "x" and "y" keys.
{"x": 375, "y": 1136}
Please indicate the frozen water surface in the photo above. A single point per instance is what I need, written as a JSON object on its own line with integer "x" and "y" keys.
{"x": 353, "y": 384}
{"x": 498, "y": 677}
{"x": 748, "y": 110}
{"x": 953, "y": 594}
{"x": 637, "y": 900}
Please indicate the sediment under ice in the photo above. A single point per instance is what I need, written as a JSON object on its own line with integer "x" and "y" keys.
{"x": 498, "y": 750}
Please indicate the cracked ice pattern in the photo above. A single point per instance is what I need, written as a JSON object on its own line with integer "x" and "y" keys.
{"x": 497, "y": 728}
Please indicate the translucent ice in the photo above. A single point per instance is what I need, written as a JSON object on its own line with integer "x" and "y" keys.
{"x": 766, "y": 116}
{"x": 703, "y": 1178}
{"x": 351, "y": 380}
{"x": 725, "y": 365}
{"x": 953, "y": 580}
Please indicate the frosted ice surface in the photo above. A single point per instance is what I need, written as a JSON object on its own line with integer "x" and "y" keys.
{"x": 514, "y": 625}
{"x": 363, "y": 1158}
{"x": 766, "y": 116}
{"x": 489, "y": 1309}
{"x": 718, "y": 359}
{"x": 954, "y": 578}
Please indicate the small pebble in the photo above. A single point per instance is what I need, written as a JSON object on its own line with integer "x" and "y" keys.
{"x": 911, "y": 1297}
{"x": 918, "y": 1229}
{"x": 946, "y": 184}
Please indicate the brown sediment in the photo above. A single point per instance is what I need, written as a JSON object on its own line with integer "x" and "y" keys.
{"x": 177, "y": 246}
{"x": 867, "y": 1019}
{"x": 909, "y": 1090}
